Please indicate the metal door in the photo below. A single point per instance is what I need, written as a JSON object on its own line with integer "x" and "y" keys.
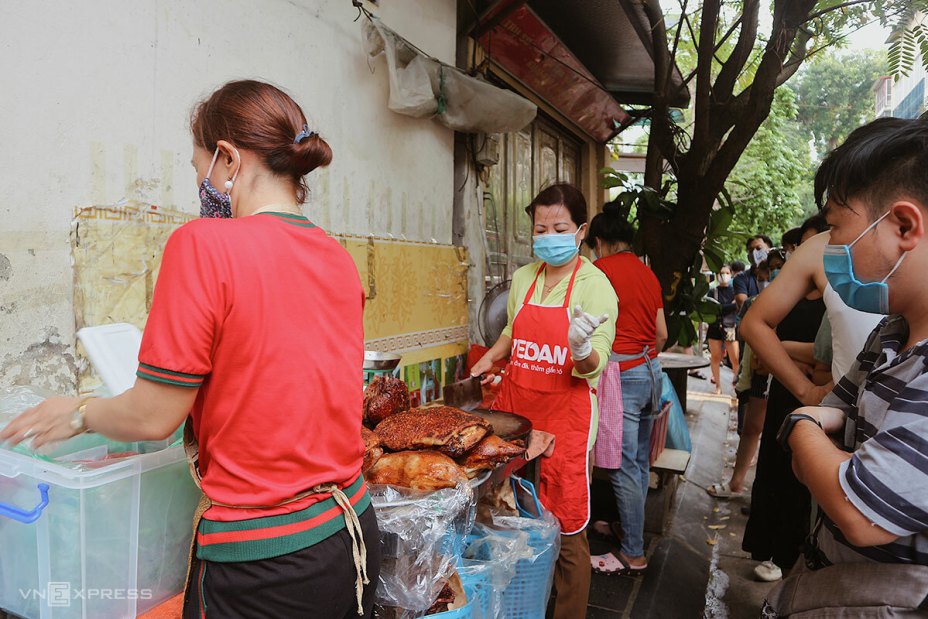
{"x": 530, "y": 160}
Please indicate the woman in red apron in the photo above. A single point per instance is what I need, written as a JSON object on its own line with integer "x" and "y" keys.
{"x": 561, "y": 325}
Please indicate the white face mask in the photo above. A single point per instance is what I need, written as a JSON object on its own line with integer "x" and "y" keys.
{"x": 759, "y": 255}
{"x": 725, "y": 278}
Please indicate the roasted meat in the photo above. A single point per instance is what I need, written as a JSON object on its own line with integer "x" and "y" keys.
{"x": 419, "y": 470}
{"x": 490, "y": 453}
{"x": 449, "y": 430}
{"x": 383, "y": 397}
{"x": 372, "y": 449}
{"x": 445, "y": 598}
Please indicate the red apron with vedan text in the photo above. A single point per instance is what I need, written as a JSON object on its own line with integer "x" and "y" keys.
{"x": 540, "y": 385}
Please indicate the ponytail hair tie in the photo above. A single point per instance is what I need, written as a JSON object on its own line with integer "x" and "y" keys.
{"x": 304, "y": 134}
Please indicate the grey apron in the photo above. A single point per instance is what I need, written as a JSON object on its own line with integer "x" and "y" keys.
{"x": 653, "y": 371}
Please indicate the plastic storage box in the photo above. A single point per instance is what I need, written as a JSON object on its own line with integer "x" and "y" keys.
{"x": 108, "y": 540}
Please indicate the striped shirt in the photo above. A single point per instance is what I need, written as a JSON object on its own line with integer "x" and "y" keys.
{"x": 885, "y": 398}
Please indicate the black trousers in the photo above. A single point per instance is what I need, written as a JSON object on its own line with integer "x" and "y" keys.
{"x": 317, "y": 582}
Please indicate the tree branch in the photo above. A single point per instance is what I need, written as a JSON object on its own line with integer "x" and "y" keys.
{"x": 676, "y": 42}
{"x": 725, "y": 82}
{"x": 796, "y": 58}
{"x": 751, "y": 107}
{"x": 657, "y": 147}
{"x": 705, "y": 49}
{"x": 837, "y": 7}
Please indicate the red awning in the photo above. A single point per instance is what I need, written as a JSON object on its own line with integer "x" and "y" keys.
{"x": 526, "y": 48}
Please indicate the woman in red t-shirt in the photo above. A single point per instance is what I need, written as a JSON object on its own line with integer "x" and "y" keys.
{"x": 255, "y": 325}
{"x": 640, "y": 334}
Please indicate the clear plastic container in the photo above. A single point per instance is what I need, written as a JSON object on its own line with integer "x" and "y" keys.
{"x": 112, "y": 538}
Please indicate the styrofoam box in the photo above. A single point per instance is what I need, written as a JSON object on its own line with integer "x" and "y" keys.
{"x": 114, "y": 351}
{"x": 112, "y": 542}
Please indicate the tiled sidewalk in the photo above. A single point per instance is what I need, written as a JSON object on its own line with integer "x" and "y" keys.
{"x": 696, "y": 568}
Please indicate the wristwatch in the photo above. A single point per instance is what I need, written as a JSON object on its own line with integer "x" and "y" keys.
{"x": 78, "y": 423}
{"x": 787, "y": 428}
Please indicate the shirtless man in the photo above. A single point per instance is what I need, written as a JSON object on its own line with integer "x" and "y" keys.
{"x": 803, "y": 273}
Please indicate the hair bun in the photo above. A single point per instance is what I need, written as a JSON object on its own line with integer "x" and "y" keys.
{"x": 308, "y": 154}
{"x": 613, "y": 209}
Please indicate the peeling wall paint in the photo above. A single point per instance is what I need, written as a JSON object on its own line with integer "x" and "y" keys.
{"x": 48, "y": 364}
{"x": 391, "y": 176}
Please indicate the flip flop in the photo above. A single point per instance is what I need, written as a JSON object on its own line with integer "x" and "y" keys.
{"x": 611, "y": 531}
{"x": 724, "y": 491}
{"x": 611, "y": 564}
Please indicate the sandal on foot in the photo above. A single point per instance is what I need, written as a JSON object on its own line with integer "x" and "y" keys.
{"x": 611, "y": 531}
{"x": 724, "y": 491}
{"x": 611, "y": 564}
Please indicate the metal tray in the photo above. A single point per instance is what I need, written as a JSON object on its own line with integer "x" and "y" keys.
{"x": 374, "y": 360}
{"x": 508, "y": 426}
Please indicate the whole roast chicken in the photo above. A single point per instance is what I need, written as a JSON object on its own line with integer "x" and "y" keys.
{"x": 490, "y": 453}
{"x": 419, "y": 470}
{"x": 443, "y": 428}
{"x": 384, "y": 396}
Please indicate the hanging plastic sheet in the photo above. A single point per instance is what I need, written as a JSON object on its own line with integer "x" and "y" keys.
{"x": 423, "y": 87}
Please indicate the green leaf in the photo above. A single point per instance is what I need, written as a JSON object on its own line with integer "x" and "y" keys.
{"x": 688, "y": 334}
{"x": 610, "y": 181}
{"x": 714, "y": 258}
{"x": 674, "y": 327}
{"x": 719, "y": 222}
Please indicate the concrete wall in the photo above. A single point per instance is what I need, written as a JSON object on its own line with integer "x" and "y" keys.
{"x": 94, "y": 107}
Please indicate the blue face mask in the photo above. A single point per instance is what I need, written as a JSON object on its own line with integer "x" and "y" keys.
{"x": 870, "y": 297}
{"x": 774, "y": 273}
{"x": 556, "y": 249}
{"x": 214, "y": 203}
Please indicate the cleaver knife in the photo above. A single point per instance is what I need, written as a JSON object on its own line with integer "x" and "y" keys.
{"x": 466, "y": 394}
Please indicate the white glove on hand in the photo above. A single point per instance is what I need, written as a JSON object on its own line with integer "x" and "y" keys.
{"x": 582, "y": 326}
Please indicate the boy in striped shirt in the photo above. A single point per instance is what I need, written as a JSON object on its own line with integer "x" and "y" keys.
{"x": 871, "y": 483}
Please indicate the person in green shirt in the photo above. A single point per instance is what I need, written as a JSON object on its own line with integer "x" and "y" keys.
{"x": 562, "y": 313}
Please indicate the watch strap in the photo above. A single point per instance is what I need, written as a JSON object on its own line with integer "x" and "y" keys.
{"x": 787, "y": 428}
{"x": 78, "y": 422}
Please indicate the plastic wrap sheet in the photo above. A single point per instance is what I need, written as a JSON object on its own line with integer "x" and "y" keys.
{"x": 511, "y": 564}
{"x": 423, "y": 87}
{"x": 421, "y": 534}
{"x": 15, "y": 400}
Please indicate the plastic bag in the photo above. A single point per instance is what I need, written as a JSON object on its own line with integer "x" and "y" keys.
{"x": 515, "y": 555}
{"x": 421, "y": 537}
{"x": 678, "y": 433}
{"x": 410, "y": 85}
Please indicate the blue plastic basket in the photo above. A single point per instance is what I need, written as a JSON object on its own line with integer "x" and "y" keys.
{"x": 479, "y": 581}
{"x": 526, "y": 597}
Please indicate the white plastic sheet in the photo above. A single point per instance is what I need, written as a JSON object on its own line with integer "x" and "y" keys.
{"x": 423, "y": 87}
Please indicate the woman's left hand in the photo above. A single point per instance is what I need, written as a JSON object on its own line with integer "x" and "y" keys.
{"x": 48, "y": 422}
{"x": 582, "y": 327}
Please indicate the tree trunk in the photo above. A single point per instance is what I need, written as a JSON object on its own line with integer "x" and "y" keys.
{"x": 672, "y": 245}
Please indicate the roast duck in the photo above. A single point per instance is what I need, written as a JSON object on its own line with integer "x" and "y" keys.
{"x": 420, "y": 470}
{"x": 417, "y": 448}
{"x": 384, "y": 396}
